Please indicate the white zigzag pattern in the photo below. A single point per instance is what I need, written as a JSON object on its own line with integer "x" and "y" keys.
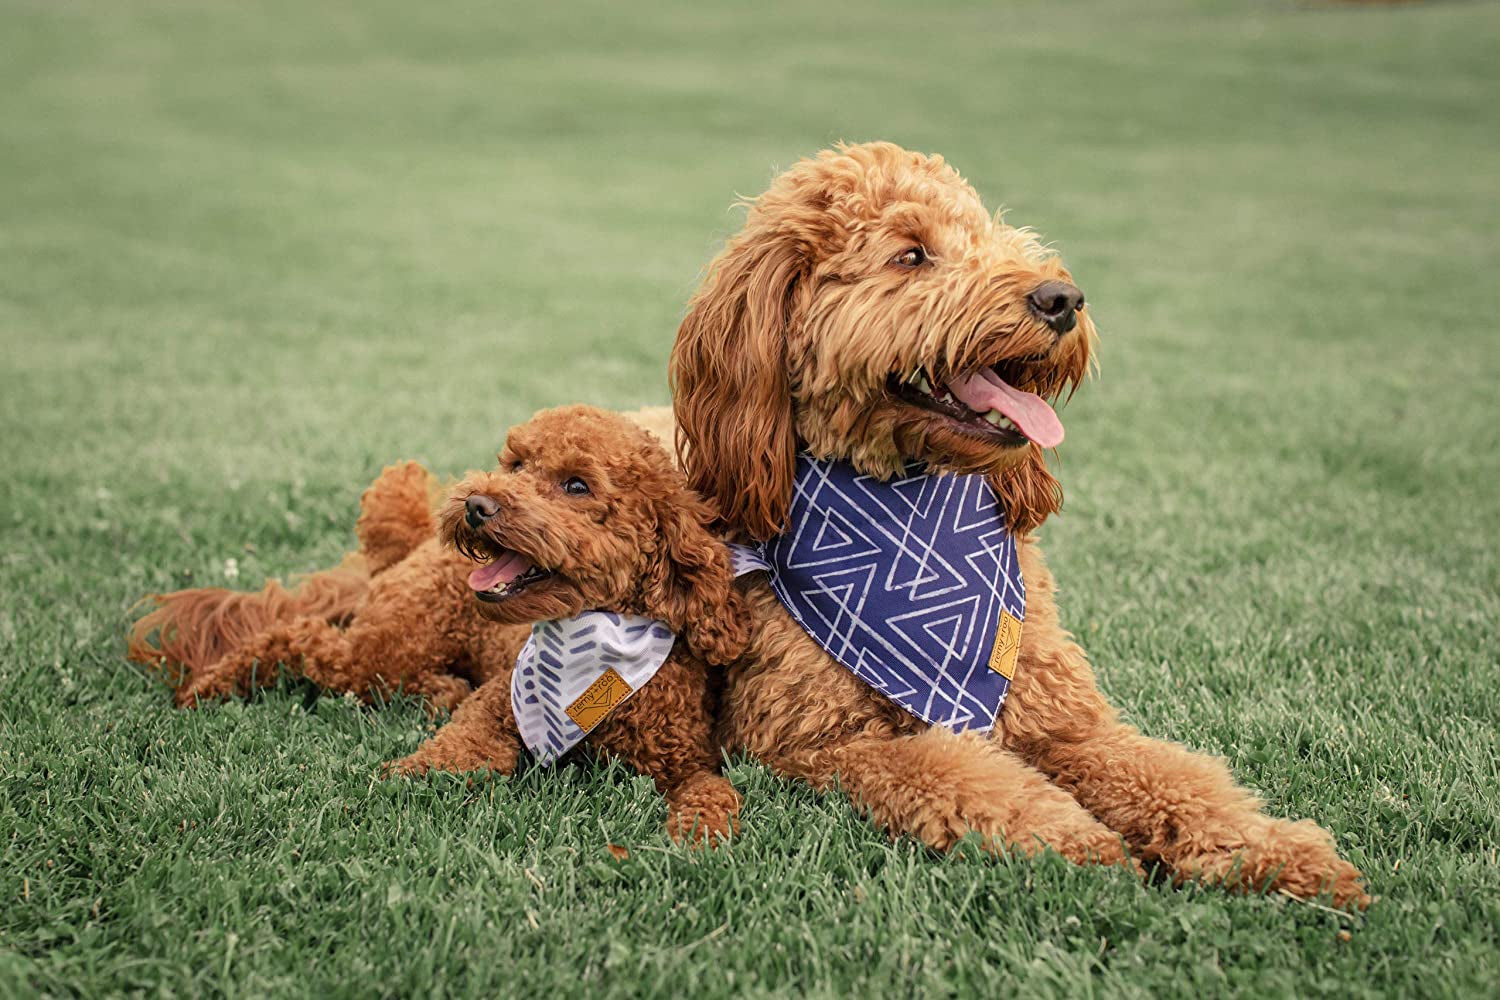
{"x": 903, "y": 583}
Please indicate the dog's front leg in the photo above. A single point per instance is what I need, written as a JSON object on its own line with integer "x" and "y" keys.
{"x": 666, "y": 731}
{"x": 1185, "y": 810}
{"x": 481, "y": 736}
{"x": 1172, "y": 805}
{"x": 939, "y": 786}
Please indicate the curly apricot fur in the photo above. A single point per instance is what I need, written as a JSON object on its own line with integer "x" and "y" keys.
{"x": 638, "y": 543}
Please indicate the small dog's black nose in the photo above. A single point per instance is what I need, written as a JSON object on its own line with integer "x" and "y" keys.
{"x": 479, "y": 509}
{"x": 1057, "y": 304}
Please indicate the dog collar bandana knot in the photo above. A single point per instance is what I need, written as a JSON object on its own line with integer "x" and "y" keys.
{"x": 912, "y": 584}
{"x": 573, "y": 672}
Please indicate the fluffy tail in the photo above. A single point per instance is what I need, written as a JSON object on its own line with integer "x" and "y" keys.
{"x": 188, "y": 630}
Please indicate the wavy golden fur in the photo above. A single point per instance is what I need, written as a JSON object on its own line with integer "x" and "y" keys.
{"x": 856, "y": 269}
{"x": 801, "y": 321}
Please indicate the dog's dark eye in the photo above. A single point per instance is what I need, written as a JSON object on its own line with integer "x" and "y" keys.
{"x": 516, "y": 465}
{"x": 912, "y": 257}
{"x": 576, "y": 487}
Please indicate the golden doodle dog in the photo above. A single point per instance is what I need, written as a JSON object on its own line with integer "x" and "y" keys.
{"x": 588, "y": 532}
{"x": 872, "y": 314}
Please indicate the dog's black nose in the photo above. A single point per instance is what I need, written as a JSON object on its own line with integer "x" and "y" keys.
{"x": 479, "y": 509}
{"x": 1057, "y": 304}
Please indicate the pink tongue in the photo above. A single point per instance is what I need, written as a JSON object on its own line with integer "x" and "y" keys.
{"x": 502, "y": 570}
{"x": 984, "y": 391}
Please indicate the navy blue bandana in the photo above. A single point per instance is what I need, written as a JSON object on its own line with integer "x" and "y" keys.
{"x": 911, "y": 583}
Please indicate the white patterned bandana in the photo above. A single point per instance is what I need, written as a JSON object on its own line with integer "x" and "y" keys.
{"x": 912, "y": 584}
{"x": 573, "y": 672}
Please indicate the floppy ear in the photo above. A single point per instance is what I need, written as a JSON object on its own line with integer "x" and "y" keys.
{"x": 730, "y": 393}
{"x": 1028, "y": 492}
{"x": 692, "y": 583}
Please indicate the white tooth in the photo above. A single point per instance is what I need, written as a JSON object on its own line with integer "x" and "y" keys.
{"x": 924, "y": 385}
{"x": 994, "y": 417}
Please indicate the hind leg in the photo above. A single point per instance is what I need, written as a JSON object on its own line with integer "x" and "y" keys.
{"x": 370, "y": 659}
{"x": 189, "y": 630}
{"x": 412, "y": 629}
{"x": 395, "y": 515}
{"x": 308, "y": 647}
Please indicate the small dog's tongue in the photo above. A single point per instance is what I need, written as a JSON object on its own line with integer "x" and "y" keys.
{"x": 984, "y": 391}
{"x": 502, "y": 570}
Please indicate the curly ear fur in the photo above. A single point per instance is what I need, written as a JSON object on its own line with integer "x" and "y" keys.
{"x": 1028, "y": 492}
{"x": 692, "y": 583}
{"x": 731, "y": 398}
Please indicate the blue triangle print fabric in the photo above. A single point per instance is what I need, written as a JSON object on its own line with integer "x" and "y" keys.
{"x": 905, "y": 582}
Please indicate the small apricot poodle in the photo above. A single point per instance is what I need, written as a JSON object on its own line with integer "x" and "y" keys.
{"x": 586, "y": 512}
{"x": 187, "y": 631}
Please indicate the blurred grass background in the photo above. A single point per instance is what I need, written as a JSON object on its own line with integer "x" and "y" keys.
{"x": 250, "y": 252}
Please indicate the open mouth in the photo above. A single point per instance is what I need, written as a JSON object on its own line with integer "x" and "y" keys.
{"x": 505, "y": 575}
{"x": 983, "y": 402}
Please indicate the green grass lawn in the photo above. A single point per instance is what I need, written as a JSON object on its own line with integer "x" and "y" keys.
{"x": 251, "y": 252}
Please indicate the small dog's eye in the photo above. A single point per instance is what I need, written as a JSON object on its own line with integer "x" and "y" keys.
{"x": 912, "y": 257}
{"x": 576, "y": 487}
{"x": 516, "y": 465}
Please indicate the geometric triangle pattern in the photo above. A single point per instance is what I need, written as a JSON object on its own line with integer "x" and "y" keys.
{"x": 905, "y": 582}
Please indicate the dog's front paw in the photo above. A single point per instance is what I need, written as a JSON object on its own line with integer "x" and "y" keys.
{"x": 1295, "y": 858}
{"x": 456, "y": 760}
{"x": 703, "y": 811}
